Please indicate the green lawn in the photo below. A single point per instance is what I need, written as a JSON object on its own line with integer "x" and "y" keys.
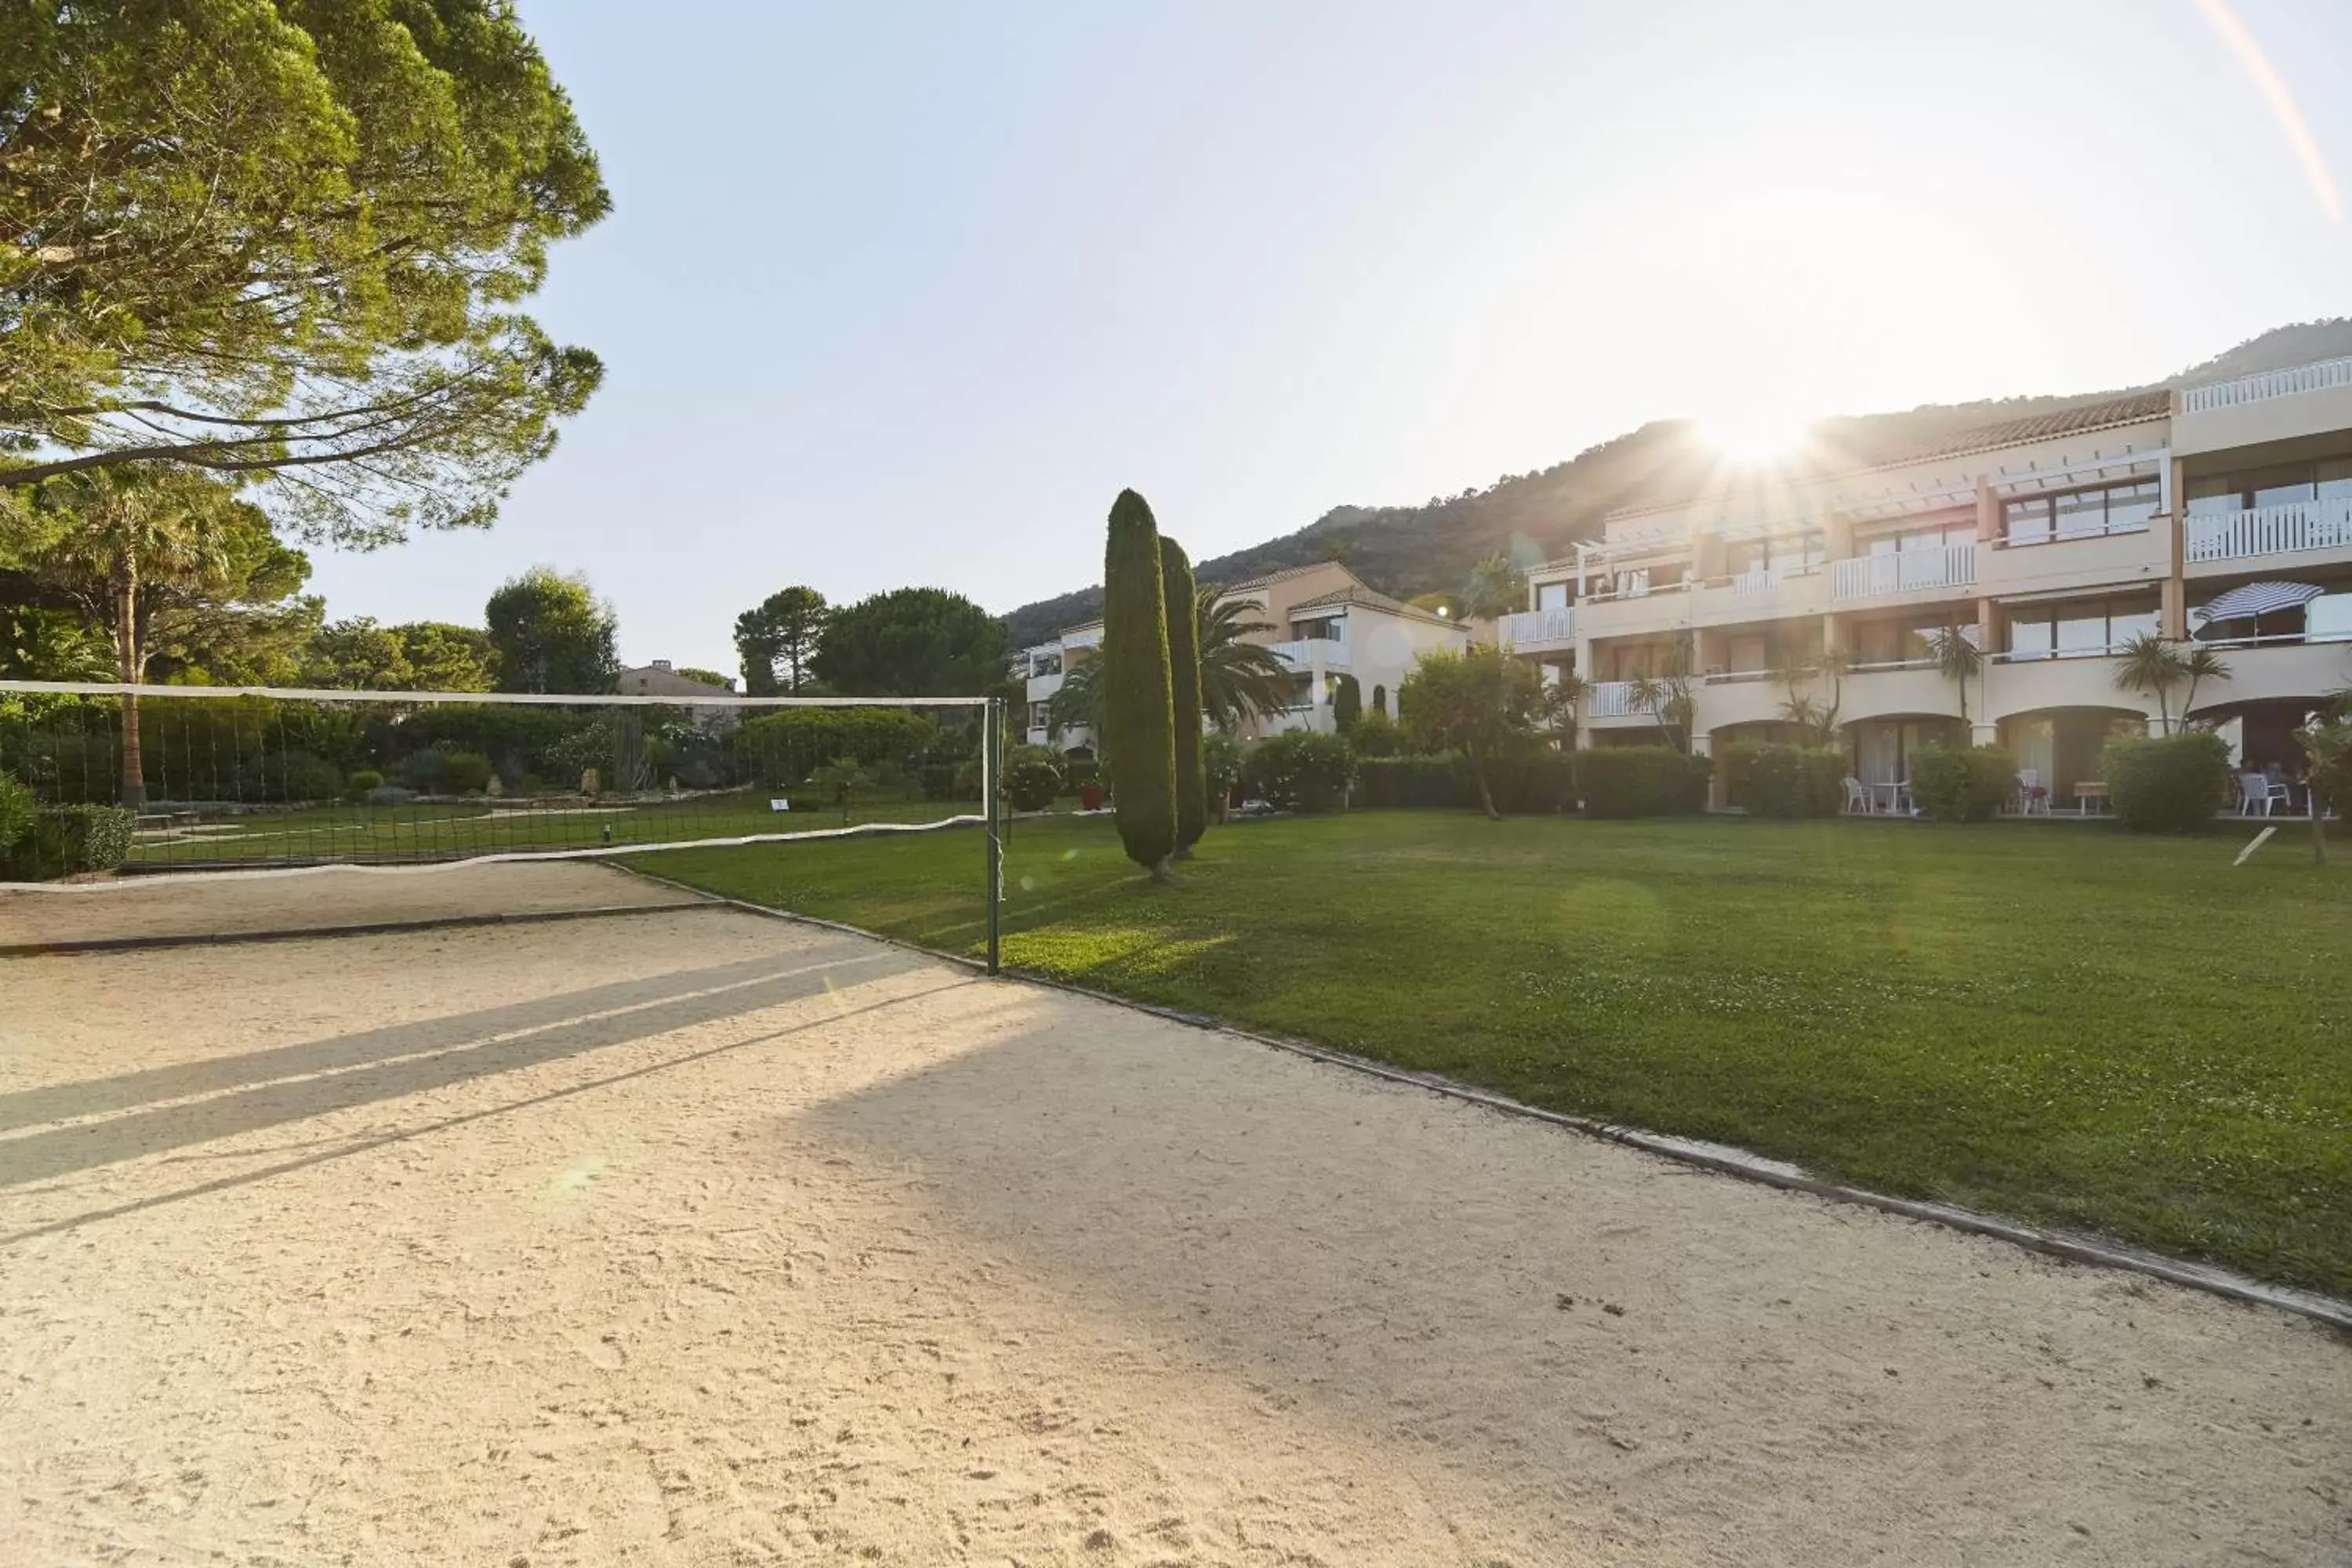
{"x": 2054, "y": 1020}
{"x": 427, "y": 831}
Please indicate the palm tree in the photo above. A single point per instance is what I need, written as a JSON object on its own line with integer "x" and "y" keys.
{"x": 2150, "y": 664}
{"x": 2201, "y": 665}
{"x": 1240, "y": 679}
{"x": 1957, "y": 660}
{"x": 1078, "y": 702}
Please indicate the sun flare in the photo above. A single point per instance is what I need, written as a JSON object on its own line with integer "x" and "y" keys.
{"x": 1753, "y": 435}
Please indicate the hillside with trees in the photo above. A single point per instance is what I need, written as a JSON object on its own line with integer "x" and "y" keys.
{"x": 1410, "y": 549}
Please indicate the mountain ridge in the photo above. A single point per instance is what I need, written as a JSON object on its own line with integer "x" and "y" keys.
{"x": 1410, "y": 550}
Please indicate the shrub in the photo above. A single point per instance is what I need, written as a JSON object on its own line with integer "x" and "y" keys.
{"x": 1641, "y": 780}
{"x": 1411, "y": 782}
{"x": 2173, "y": 783}
{"x": 289, "y": 776}
{"x": 786, "y": 745}
{"x": 359, "y": 784}
{"x": 1963, "y": 784}
{"x": 1139, "y": 702}
{"x": 1784, "y": 781}
{"x": 66, "y": 840}
{"x": 1299, "y": 771}
{"x": 1538, "y": 782}
{"x": 389, "y": 794}
{"x": 1375, "y": 735}
{"x": 1031, "y": 784}
{"x": 1220, "y": 770}
{"x": 16, "y": 810}
{"x": 466, "y": 772}
{"x": 1176, "y": 596}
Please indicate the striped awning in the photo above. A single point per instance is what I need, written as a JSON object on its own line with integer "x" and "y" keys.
{"x": 2258, "y": 599}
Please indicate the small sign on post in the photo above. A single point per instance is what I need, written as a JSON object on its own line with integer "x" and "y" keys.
{"x": 779, "y": 806}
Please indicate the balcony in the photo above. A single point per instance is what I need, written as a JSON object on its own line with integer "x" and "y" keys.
{"x": 1612, "y": 699}
{"x": 2289, "y": 529}
{"x": 1042, "y": 687}
{"x": 1903, "y": 572}
{"x": 1306, "y": 655}
{"x": 2324, "y": 376}
{"x": 2275, "y": 406}
{"x": 1533, "y": 631}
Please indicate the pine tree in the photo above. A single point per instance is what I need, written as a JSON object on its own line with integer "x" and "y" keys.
{"x": 1176, "y": 596}
{"x": 1139, "y": 708}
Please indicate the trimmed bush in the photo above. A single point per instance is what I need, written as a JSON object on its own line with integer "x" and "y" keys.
{"x": 788, "y": 745}
{"x": 1298, "y": 770}
{"x": 17, "y": 811}
{"x": 389, "y": 794}
{"x": 2173, "y": 783}
{"x": 1176, "y": 596}
{"x": 1139, "y": 694}
{"x": 1533, "y": 783}
{"x": 1963, "y": 784}
{"x": 357, "y": 783}
{"x": 67, "y": 841}
{"x": 1409, "y": 781}
{"x": 1220, "y": 767}
{"x": 1641, "y": 780}
{"x": 1032, "y": 785}
{"x": 1769, "y": 779}
{"x": 1347, "y": 704}
{"x": 1375, "y": 735}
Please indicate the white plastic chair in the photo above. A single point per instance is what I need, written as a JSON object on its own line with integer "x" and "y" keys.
{"x": 2257, "y": 794}
{"x": 1857, "y": 797}
{"x": 2032, "y": 800}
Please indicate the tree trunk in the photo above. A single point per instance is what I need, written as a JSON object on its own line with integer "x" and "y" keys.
{"x": 129, "y": 666}
{"x": 2318, "y": 804}
{"x": 1485, "y": 795}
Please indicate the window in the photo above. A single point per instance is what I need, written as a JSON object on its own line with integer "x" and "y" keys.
{"x": 1790, "y": 553}
{"x": 1901, "y": 639}
{"x": 1038, "y": 716}
{"x": 2078, "y": 628}
{"x": 2214, "y": 494}
{"x": 1046, "y": 663}
{"x": 1381, "y": 701}
{"x": 2080, "y": 514}
{"x": 1552, "y": 597}
{"x": 1323, "y": 629}
{"x": 1939, "y": 537}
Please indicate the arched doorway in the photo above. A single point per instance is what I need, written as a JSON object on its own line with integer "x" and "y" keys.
{"x": 1381, "y": 701}
{"x": 2061, "y": 747}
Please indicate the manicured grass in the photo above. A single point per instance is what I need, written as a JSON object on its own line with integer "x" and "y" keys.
{"x": 2058, "y": 1021}
{"x": 434, "y": 831}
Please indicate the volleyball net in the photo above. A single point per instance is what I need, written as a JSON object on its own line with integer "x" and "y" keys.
{"x": 194, "y": 779}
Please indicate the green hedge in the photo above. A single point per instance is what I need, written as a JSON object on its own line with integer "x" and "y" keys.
{"x": 16, "y": 809}
{"x": 1298, "y": 770}
{"x": 1769, "y": 779}
{"x": 788, "y": 746}
{"x": 1408, "y": 781}
{"x": 2174, "y": 783}
{"x": 1641, "y": 780}
{"x": 65, "y": 840}
{"x": 1963, "y": 784}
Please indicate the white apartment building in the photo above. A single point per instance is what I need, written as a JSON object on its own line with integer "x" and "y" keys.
{"x": 2051, "y": 541}
{"x": 1321, "y": 622}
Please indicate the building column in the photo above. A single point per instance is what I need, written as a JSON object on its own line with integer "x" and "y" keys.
{"x": 1988, "y": 512}
{"x": 2174, "y": 617}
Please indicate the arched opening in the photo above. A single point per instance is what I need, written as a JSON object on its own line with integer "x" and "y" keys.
{"x": 2058, "y": 750}
{"x": 1381, "y": 701}
{"x": 1879, "y": 751}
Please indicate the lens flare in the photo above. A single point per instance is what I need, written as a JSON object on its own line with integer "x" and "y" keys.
{"x": 2283, "y": 106}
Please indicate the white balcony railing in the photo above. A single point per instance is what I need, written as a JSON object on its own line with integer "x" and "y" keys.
{"x": 1612, "y": 699}
{"x": 1306, "y": 654}
{"x": 1539, "y": 629}
{"x": 2281, "y": 529}
{"x": 2320, "y": 377}
{"x": 1903, "y": 572}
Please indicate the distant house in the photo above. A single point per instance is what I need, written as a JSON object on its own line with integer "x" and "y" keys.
{"x": 661, "y": 679}
{"x": 1322, "y": 623}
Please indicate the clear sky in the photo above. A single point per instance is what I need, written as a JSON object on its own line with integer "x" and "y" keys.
{"x": 903, "y": 293}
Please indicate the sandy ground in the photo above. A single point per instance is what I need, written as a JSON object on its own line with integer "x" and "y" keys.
{"x": 217, "y": 904}
{"x": 701, "y": 1238}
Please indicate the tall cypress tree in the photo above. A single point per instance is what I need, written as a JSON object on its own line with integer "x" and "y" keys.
{"x": 1185, "y": 690}
{"x": 1139, "y": 712}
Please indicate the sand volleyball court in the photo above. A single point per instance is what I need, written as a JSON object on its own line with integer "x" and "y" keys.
{"x": 691, "y": 1237}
